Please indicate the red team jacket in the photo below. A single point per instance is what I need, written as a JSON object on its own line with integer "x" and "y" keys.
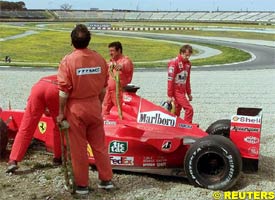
{"x": 179, "y": 77}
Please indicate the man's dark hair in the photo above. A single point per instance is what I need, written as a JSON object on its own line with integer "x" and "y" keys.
{"x": 117, "y": 46}
{"x": 186, "y": 47}
{"x": 80, "y": 36}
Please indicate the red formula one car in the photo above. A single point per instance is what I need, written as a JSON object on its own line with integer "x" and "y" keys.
{"x": 149, "y": 139}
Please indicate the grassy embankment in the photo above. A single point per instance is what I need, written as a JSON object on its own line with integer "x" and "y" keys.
{"x": 48, "y": 47}
{"x": 9, "y": 31}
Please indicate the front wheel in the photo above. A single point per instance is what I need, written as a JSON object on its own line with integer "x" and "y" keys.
{"x": 213, "y": 162}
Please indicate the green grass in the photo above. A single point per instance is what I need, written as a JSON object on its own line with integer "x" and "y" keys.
{"x": 137, "y": 49}
{"x": 50, "y": 46}
{"x": 54, "y": 25}
{"x": 6, "y": 31}
{"x": 46, "y": 47}
{"x": 229, "y": 34}
{"x": 229, "y": 55}
{"x": 58, "y": 25}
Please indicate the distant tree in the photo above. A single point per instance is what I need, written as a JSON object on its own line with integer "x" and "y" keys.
{"x": 66, "y": 6}
{"x": 7, "y": 5}
{"x": 22, "y": 5}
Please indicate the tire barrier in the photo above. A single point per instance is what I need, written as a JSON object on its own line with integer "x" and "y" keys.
{"x": 149, "y": 28}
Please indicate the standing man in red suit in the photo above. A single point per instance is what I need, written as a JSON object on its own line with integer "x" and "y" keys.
{"x": 179, "y": 89}
{"x": 118, "y": 64}
{"x": 82, "y": 79}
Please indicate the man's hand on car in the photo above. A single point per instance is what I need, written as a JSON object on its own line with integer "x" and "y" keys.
{"x": 190, "y": 97}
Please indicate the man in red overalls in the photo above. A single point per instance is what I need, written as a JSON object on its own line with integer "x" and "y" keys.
{"x": 44, "y": 96}
{"x": 123, "y": 65}
{"x": 82, "y": 78}
{"x": 179, "y": 82}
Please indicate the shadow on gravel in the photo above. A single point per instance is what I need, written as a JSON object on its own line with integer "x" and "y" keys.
{"x": 35, "y": 167}
{"x": 266, "y": 173}
{"x": 267, "y": 168}
{"x": 157, "y": 177}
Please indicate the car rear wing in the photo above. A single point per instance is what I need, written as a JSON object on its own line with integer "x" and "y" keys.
{"x": 245, "y": 132}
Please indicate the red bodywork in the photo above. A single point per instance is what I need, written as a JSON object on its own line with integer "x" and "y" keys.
{"x": 245, "y": 131}
{"x": 148, "y": 138}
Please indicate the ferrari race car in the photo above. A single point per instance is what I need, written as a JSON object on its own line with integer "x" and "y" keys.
{"x": 150, "y": 139}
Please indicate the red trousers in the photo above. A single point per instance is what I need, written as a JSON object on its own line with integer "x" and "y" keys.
{"x": 110, "y": 101}
{"x": 86, "y": 126}
{"x": 43, "y": 95}
{"x": 183, "y": 102}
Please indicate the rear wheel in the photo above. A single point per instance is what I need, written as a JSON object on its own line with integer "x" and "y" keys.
{"x": 220, "y": 127}
{"x": 213, "y": 162}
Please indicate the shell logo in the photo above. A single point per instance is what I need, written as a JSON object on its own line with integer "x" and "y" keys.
{"x": 236, "y": 118}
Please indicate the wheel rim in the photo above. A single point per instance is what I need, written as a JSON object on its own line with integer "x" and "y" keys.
{"x": 212, "y": 166}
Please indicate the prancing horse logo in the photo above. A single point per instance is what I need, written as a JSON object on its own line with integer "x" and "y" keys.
{"x": 42, "y": 126}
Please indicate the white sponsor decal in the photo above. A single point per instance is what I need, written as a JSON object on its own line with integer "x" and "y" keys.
{"x": 171, "y": 69}
{"x": 181, "y": 77}
{"x": 161, "y": 164}
{"x": 122, "y": 160}
{"x": 156, "y": 117}
{"x": 246, "y": 119}
{"x": 244, "y": 129}
{"x": 88, "y": 70}
{"x": 127, "y": 98}
{"x": 111, "y": 123}
{"x": 148, "y": 164}
{"x": 118, "y": 147}
{"x": 185, "y": 126}
{"x": 251, "y": 140}
{"x": 253, "y": 151}
{"x": 149, "y": 161}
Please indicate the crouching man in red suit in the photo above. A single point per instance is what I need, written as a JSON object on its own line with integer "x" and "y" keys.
{"x": 43, "y": 97}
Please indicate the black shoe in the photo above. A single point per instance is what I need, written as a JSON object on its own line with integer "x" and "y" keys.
{"x": 57, "y": 162}
{"x": 107, "y": 185}
{"x": 82, "y": 190}
{"x": 12, "y": 166}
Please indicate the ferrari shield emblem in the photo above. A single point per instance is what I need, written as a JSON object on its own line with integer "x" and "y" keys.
{"x": 42, "y": 126}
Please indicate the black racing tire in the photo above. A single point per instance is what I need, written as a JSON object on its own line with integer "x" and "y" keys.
{"x": 213, "y": 162}
{"x": 220, "y": 127}
{"x": 3, "y": 138}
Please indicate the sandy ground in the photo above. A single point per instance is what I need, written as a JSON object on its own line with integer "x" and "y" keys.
{"x": 216, "y": 96}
